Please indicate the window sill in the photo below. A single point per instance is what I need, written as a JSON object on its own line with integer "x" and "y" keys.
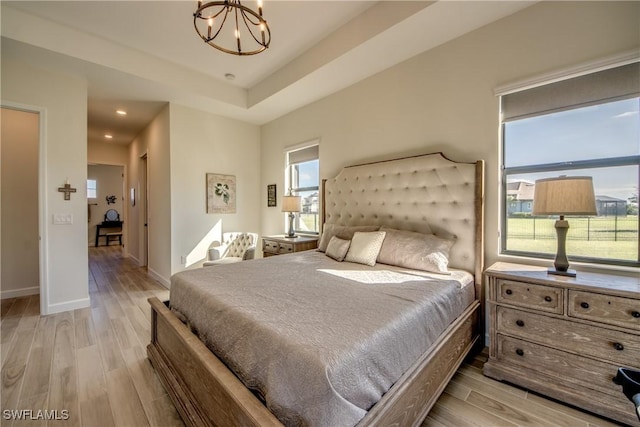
{"x": 621, "y": 270}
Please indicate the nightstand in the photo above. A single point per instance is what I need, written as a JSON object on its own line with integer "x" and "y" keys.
{"x": 278, "y": 245}
{"x": 564, "y": 337}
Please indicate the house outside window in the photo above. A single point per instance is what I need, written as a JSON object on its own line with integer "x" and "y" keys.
{"x": 92, "y": 189}
{"x": 583, "y": 126}
{"x": 302, "y": 179}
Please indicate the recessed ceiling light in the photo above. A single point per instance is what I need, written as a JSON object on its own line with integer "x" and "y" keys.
{"x": 108, "y": 136}
{"x": 230, "y": 76}
{"x": 121, "y": 112}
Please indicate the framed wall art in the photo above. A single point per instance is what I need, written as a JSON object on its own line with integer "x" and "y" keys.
{"x": 271, "y": 195}
{"x": 221, "y": 193}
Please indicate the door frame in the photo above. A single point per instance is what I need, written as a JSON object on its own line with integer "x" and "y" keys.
{"x": 144, "y": 218}
{"x": 43, "y": 229}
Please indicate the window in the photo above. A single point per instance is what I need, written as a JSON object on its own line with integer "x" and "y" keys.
{"x": 584, "y": 126}
{"x": 92, "y": 189}
{"x": 302, "y": 178}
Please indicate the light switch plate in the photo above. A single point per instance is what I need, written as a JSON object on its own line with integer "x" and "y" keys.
{"x": 62, "y": 219}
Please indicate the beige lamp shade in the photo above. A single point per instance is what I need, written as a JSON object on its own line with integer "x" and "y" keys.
{"x": 564, "y": 195}
{"x": 291, "y": 204}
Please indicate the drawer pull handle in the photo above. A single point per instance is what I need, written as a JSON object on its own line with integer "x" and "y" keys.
{"x": 520, "y": 323}
{"x": 547, "y": 298}
{"x": 618, "y": 346}
{"x": 508, "y": 292}
{"x": 584, "y": 305}
{"x": 635, "y": 314}
{"x": 519, "y": 352}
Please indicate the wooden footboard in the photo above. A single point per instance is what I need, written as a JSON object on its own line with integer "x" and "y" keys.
{"x": 204, "y": 391}
{"x": 207, "y": 393}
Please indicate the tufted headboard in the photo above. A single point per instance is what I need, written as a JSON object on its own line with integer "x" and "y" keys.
{"x": 428, "y": 193}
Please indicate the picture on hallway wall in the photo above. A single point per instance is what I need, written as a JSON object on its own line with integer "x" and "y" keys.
{"x": 221, "y": 193}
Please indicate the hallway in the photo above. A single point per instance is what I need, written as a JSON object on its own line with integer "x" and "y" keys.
{"x": 90, "y": 362}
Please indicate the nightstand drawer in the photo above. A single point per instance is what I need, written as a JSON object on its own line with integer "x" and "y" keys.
{"x": 270, "y": 246}
{"x": 281, "y": 245}
{"x": 285, "y": 248}
{"x": 608, "y": 309}
{"x": 585, "y": 372}
{"x": 539, "y": 297}
{"x": 617, "y": 347}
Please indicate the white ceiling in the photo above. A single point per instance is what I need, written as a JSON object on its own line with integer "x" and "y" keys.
{"x": 138, "y": 55}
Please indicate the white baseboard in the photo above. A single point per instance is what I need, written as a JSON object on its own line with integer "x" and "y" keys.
{"x": 14, "y": 293}
{"x": 134, "y": 259}
{"x": 68, "y": 305}
{"x": 164, "y": 282}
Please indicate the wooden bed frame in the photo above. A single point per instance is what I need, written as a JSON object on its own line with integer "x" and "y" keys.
{"x": 206, "y": 393}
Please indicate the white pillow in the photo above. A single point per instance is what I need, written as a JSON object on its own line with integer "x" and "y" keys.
{"x": 344, "y": 232}
{"x": 365, "y": 247}
{"x": 415, "y": 250}
{"x": 337, "y": 248}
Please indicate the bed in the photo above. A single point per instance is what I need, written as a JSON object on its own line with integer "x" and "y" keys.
{"x": 427, "y": 194}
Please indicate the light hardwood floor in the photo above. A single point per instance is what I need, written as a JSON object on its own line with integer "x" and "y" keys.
{"x": 92, "y": 362}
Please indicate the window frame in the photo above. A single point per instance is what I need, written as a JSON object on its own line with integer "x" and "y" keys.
{"x": 576, "y": 71}
{"x": 95, "y": 188}
{"x": 291, "y": 173}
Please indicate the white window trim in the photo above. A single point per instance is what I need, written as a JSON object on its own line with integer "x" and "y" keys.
{"x": 613, "y": 61}
{"x": 287, "y": 180}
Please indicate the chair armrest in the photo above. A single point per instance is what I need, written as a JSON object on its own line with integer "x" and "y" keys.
{"x": 249, "y": 253}
{"x": 217, "y": 252}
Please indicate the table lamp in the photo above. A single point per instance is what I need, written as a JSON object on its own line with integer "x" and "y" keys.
{"x": 291, "y": 204}
{"x": 564, "y": 195}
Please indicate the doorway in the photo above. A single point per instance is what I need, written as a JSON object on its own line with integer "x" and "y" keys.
{"x": 19, "y": 203}
{"x": 105, "y": 192}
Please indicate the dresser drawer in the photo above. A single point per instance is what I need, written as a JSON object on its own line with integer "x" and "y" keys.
{"x": 608, "y": 309}
{"x": 618, "y": 347}
{"x": 539, "y": 297}
{"x": 285, "y": 248}
{"x": 584, "y": 372}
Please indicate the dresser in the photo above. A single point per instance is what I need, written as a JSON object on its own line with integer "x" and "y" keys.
{"x": 564, "y": 337}
{"x": 278, "y": 245}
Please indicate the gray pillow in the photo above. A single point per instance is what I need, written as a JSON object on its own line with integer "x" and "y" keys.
{"x": 337, "y": 248}
{"x": 417, "y": 251}
{"x": 344, "y": 232}
{"x": 365, "y": 247}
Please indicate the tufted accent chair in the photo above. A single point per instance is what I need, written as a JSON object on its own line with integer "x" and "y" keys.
{"x": 235, "y": 247}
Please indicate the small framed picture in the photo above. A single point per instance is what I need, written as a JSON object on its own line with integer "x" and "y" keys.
{"x": 271, "y": 195}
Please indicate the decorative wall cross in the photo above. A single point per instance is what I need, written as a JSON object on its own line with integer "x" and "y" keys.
{"x": 67, "y": 190}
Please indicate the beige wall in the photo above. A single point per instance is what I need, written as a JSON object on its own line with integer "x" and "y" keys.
{"x": 200, "y": 143}
{"x": 182, "y": 145}
{"x": 63, "y": 101}
{"x": 107, "y": 153}
{"x": 19, "y": 206}
{"x": 153, "y": 142}
{"x": 109, "y": 182}
{"x": 443, "y": 99}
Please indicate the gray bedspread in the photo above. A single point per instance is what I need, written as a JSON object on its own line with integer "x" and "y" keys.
{"x": 320, "y": 341}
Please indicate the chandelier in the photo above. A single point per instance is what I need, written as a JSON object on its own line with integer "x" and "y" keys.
{"x": 210, "y": 18}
